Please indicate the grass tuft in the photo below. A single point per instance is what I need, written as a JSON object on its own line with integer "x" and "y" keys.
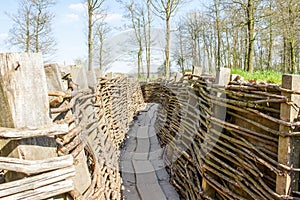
{"x": 259, "y": 76}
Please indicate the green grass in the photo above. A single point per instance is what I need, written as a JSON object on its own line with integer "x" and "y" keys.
{"x": 259, "y": 76}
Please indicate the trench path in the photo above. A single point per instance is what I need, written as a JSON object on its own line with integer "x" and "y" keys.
{"x": 141, "y": 163}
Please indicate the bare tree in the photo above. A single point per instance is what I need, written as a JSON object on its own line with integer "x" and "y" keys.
{"x": 31, "y": 31}
{"x": 147, "y": 35}
{"x": 42, "y": 25}
{"x": 271, "y": 33}
{"x": 250, "y": 24}
{"x": 135, "y": 15}
{"x": 20, "y": 33}
{"x": 93, "y": 7}
{"x": 165, "y": 9}
{"x": 249, "y": 8}
{"x": 180, "y": 54}
{"x": 101, "y": 32}
{"x": 193, "y": 26}
{"x": 288, "y": 15}
{"x": 246, "y": 34}
{"x": 140, "y": 19}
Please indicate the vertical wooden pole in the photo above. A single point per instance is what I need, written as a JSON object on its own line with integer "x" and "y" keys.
{"x": 287, "y": 113}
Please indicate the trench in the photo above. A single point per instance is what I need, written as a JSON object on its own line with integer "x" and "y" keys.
{"x": 141, "y": 163}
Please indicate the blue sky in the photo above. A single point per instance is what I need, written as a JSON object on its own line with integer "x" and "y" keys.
{"x": 69, "y": 25}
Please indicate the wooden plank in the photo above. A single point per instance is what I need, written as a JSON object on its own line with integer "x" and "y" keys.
{"x": 130, "y": 193}
{"x": 288, "y": 113}
{"x": 23, "y": 87}
{"x": 82, "y": 179}
{"x": 144, "y": 171}
{"x": 142, "y": 132}
{"x": 53, "y": 77}
{"x": 142, "y": 150}
{"x": 28, "y": 132}
{"x": 46, "y": 191}
{"x": 151, "y": 191}
{"x": 35, "y": 166}
{"x": 223, "y": 76}
{"x": 35, "y": 182}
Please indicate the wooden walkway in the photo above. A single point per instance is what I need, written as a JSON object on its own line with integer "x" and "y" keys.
{"x": 142, "y": 167}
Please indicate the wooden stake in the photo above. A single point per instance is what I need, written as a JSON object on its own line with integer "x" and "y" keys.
{"x": 287, "y": 113}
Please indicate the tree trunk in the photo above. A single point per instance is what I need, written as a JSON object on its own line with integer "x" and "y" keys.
{"x": 205, "y": 50}
{"x": 250, "y": 13}
{"x": 285, "y": 62}
{"x": 90, "y": 32}
{"x": 38, "y": 24}
{"x": 101, "y": 54}
{"x": 199, "y": 51}
{"x": 229, "y": 60}
{"x": 148, "y": 41}
{"x": 139, "y": 61}
{"x": 235, "y": 37}
{"x": 270, "y": 52}
{"x": 293, "y": 57}
{"x": 246, "y": 50}
{"x": 181, "y": 59}
{"x": 167, "y": 50}
{"x": 218, "y": 36}
{"x": 194, "y": 49}
{"x": 27, "y": 45}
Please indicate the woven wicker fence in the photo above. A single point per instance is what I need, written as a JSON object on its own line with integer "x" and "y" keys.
{"x": 232, "y": 142}
{"x": 101, "y": 121}
{"x": 89, "y": 126}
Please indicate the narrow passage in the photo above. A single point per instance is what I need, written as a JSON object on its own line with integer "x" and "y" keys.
{"x": 142, "y": 167}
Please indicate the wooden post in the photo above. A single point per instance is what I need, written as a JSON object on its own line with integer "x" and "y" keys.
{"x": 24, "y": 102}
{"x": 53, "y": 76}
{"x": 223, "y": 76}
{"x": 24, "y": 91}
{"x": 287, "y": 113}
{"x": 197, "y": 70}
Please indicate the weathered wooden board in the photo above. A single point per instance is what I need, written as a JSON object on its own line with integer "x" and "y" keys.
{"x": 53, "y": 76}
{"x": 23, "y": 90}
{"x": 24, "y": 103}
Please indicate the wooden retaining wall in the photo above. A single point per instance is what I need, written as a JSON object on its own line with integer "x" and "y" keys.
{"x": 239, "y": 141}
{"x": 86, "y": 121}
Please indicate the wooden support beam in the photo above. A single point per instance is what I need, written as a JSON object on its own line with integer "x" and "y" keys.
{"x": 40, "y": 186}
{"x": 35, "y": 166}
{"x": 288, "y": 113}
{"x": 30, "y": 132}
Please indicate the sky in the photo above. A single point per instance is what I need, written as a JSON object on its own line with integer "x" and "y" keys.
{"x": 70, "y": 30}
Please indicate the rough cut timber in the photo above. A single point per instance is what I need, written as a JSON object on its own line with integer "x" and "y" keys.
{"x": 23, "y": 96}
{"x": 24, "y": 103}
{"x": 53, "y": 77}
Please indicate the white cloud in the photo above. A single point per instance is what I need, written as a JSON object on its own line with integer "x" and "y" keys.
{"x": 3, "y": 35}
{"x": 71, "y": 18}
{"x": 79, "y": 7}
